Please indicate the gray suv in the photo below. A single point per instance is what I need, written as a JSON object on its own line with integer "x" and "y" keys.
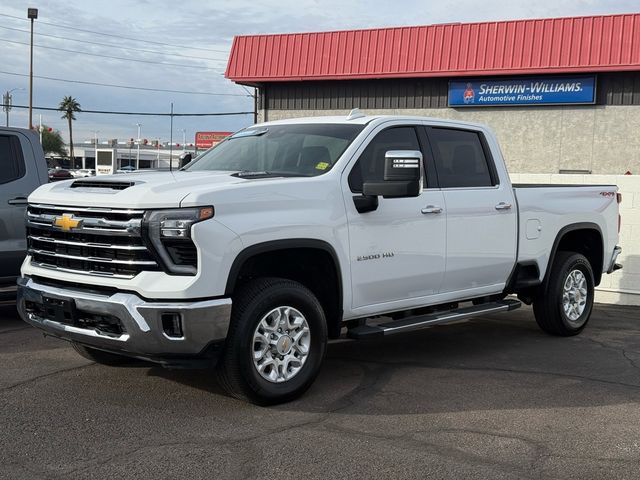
{"x": 22, "y": 169}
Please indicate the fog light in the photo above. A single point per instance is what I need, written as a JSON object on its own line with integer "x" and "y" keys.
{"x": 172, "y": 325}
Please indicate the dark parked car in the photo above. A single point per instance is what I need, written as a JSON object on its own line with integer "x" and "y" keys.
{"x": 57, "y": 174}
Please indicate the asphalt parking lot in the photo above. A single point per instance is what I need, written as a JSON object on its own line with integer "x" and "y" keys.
{"x": 493, "y": 398}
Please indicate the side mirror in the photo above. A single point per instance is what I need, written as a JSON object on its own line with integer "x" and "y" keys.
{"x": 402, "y": 176}
{"x": 184, "y": 159}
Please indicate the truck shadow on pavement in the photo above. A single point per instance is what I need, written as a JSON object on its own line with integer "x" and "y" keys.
{"x": 493, "y": 362}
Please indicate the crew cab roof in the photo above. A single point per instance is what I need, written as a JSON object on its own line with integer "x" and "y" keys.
{"x": 366, "y": 119}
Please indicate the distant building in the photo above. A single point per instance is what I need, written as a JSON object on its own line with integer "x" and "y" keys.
{"x": 152, "y": 155}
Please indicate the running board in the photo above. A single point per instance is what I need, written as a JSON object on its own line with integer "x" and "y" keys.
{"x": 423, "y": 321}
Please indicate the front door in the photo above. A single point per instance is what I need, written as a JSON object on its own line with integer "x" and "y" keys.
{"x": 397, "y": 252}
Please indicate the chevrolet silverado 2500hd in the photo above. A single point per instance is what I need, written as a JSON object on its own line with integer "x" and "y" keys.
{"x": 292, "y": 232}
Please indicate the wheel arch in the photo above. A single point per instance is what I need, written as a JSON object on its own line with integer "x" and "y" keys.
{"x": 584, "y": 238}
{"x": 290, "y": 258}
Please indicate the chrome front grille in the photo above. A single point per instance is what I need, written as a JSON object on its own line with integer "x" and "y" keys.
{"x": 93, "y": 241}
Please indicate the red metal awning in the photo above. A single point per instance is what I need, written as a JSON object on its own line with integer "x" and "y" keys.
{"x": 554, "y": 45}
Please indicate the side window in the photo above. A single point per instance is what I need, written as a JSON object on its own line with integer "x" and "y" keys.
{"x": 459, "y": 158}
{"x": 11, "y": 160}
{"x": 370, "y": 165}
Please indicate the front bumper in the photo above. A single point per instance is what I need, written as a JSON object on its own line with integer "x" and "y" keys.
{"x": 139, "y": 331}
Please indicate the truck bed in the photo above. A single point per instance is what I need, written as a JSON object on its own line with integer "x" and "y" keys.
{"x": 544, "y": 211}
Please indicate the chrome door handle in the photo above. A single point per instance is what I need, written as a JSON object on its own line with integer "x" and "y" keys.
{"x": 431, "y": 209}
{"x": 17, "y": 201}
{"x": 503, "y": 206}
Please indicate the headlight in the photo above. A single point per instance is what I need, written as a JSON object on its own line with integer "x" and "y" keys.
{"x": 168, "y": 234}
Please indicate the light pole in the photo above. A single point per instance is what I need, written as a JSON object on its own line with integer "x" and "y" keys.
{"x": 7, "y": 100}
{"x": 138, "y": 155}
{"x": 184, "y": 140}
{"x": 32, "y": 14}
{"x": 95, "y": 149}
{"x": 171, "y": 140}
{"x": 158, "y": 154}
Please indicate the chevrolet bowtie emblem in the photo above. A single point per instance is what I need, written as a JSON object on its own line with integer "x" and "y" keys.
{"x": 66, "y": 222}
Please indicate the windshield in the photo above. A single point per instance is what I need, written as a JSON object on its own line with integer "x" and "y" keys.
{"x": 292, "y": 150}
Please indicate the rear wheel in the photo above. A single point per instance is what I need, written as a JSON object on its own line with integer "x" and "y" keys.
{"x": 276, "y": 342}
{"x": 564, "y": 307}
{"x": 101, "y": 357}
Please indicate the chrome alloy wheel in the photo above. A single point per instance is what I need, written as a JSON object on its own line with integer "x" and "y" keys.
{"x": 574, "y": 295}
{"x": 281, "y": 344}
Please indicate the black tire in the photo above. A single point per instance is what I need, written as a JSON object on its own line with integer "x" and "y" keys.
{"x": 236, "y": 370}
{"x": 101, "y": 357}
{"x": 548, "y": 305}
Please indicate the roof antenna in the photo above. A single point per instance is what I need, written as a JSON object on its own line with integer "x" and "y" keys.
{"x": 355, "y": 113}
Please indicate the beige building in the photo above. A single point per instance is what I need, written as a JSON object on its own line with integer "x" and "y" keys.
{"x": 590, "y": 129}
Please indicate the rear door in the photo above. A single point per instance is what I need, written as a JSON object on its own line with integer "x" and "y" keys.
{"x": 397, "y": 251}
{"x": 17, "y": 180}
{"x": 481, "y": 213}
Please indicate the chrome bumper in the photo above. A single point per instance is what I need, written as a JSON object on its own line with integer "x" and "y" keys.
{"x": 613, "y": 266}
{"x": 204, "y": 323}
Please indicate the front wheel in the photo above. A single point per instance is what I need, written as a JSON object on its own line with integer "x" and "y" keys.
{"x": 564, "y": 307}
{"x": 276, "y": 342}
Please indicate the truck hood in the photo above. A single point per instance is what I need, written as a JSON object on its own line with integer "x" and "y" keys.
{"x": 134, "y": 190}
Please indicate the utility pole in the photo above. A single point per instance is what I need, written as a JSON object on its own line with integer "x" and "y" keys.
{"x": 138, "y": 154}
{"x": 6, "y": 104}
{"x": 7, "y": 101}
{"x": 32, "y": 14}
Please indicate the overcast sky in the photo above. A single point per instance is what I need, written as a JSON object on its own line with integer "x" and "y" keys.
{"x": 195, "y": 29}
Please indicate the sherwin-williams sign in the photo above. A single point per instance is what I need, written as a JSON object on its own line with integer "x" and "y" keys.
{"x": 523, "y": 91}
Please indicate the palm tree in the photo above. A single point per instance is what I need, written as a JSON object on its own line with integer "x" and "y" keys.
{"x": 69, "y": 106}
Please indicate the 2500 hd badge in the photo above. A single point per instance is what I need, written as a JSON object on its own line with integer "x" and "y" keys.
{"x": 375, "y": 256}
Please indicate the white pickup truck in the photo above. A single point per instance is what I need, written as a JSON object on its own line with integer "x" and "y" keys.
{"x": 293, "y": 232}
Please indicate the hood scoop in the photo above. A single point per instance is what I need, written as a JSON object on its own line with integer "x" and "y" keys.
{"x": 112, "y": 185}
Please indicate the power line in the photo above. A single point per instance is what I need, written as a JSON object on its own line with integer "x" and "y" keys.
{"x": 111, "y": 56}
{"x": 129, "y": 87}
{"x": 152, "y": 114}
{"x": 111, "y": 45}
{"x": 40, "y": 22}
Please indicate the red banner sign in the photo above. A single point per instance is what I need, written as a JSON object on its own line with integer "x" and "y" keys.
{"x": 209, "y": 139}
